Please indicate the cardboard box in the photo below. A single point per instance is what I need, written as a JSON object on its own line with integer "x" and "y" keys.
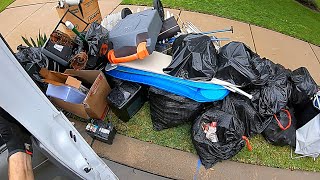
{"x": 88, "y": 11}
{"x": 95, "y": 104}
{"x": 59, "y": 79}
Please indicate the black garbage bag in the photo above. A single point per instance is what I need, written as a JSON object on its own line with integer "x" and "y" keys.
{"x": 305, "y": 112}
{"x": 241, "y": 108}
{"x": 304, "y": 87}
{"x": 281, "y": 130}
{"x": 32, "y": 60}
{"x": 235, "y": 64}
{"x": 194, "y": 57}
{"x": 98, "y": 42}
{"x": 170, "y": 110}
{"x": 275, "y": 95}
{"x": 97, "y": 46}
{"x": 229, "y": 132}
{"x": 265, "y": 68}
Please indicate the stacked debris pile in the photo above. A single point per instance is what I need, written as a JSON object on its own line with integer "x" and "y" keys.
{"x": 277, "y": 92}
{"x": 252, "y": 95}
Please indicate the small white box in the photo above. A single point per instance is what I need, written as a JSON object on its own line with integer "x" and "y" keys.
{"x": 66, "y": 93}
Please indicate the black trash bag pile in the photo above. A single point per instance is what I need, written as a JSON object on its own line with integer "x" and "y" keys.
{"x": 170, "y": 110}
{"x": 279, "y": 94}
{"x": 194, "y": 57}
{"x": 241, "y": 107}
{"x": 32, "y": 60}
{"x": 235, "y": 64}
{"x": 281, "y": 130}
{"x": 304, "y": 87}
{"x": 229, "y": 131}
{"x": 275, "y": 89}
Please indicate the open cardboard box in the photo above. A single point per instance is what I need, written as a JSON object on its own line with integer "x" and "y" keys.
{"x": 88, "y": 11}
{"x": 59, "y": 79}
{"x": 95, "y": 104}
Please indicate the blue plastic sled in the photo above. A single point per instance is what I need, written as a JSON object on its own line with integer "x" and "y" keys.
{"x": 198, "y": 91}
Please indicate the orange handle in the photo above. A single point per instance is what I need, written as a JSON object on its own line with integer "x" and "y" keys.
{"x": 247, "y": 143}
{"x": 142, "y": 52}
{"x": 279, "y": 123}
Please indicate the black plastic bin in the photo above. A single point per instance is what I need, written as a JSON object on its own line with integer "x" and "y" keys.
{"x": 126, "y": 100}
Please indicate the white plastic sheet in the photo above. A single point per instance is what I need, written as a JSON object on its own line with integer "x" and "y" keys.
{"x": 308, "y": 138}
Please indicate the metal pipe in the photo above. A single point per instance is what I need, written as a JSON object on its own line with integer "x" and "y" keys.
{"x": 219, "y": 31}
{"x": 220, "y": 39}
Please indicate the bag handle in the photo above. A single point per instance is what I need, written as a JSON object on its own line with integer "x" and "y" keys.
{"x": 279, "y": 123}
{"x": 247, "y": 143}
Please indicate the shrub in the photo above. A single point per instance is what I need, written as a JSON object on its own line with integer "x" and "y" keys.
{"x": 310, "y": 3}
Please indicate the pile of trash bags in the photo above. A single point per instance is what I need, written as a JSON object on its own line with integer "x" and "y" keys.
{"x": 221, "y": 131}
{"x": 281, "y": 98}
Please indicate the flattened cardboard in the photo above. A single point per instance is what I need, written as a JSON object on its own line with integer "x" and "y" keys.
{"x": 88, "y": 76}
{"x": 59, "y": 79}
{"x": 95, "y": 104}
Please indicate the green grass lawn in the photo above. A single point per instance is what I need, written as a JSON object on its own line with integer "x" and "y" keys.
{"x": 4, "y": 4}
{"x": 285, "y": 16}
{"x": 140, "y": 127}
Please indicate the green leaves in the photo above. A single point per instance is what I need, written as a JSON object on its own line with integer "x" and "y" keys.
{"x": 41, "y": 40}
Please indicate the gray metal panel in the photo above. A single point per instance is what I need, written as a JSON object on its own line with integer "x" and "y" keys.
{"x": 21, "y": 98}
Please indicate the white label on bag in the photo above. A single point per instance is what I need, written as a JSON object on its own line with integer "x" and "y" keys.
{"x": 58, "y": 47}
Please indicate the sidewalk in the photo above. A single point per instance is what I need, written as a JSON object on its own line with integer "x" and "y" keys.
{"x": 177, "y": 164}
{"x": 27, "y": 17}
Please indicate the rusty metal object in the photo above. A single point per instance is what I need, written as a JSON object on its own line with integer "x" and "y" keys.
{"x": 61, "y": 38}
{"x": 79, "y": 61}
